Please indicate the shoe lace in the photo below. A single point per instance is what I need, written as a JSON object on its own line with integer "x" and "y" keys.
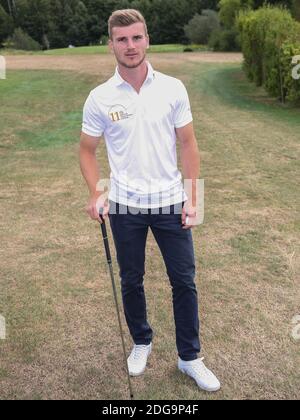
{"x": 138, "y": 351}
{"x": 199, "y": 367}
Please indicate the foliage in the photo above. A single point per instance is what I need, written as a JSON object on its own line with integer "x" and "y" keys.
{"x": 290, "y": 79}
{"x": 229, "y": 10}
{"x": 20, "y": 40}
{"x": 268, "y": 37}
{"x": 200, "y": 27}
{"x": 224, "y": 40}
{"x": 58, "y": 23}
{"x": 296, "y": 9}
{"x": 260, "y": 3}
{"x": 6, "y": 25}
{"x": 227, "y": 39}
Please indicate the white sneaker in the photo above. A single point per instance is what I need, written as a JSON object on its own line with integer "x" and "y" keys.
{"x": 197, "y": 370}
{"x": 137, "y": 360}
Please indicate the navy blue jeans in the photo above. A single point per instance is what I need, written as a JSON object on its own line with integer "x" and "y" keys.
{"x": 176, "y": 245}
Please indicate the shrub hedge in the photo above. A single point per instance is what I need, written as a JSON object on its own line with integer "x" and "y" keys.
{"x": 270, "y": 38}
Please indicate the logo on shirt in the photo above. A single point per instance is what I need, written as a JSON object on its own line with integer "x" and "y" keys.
{"x": 118, "y": 113}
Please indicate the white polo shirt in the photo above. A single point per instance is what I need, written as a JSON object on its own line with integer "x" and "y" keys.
{"x": 139, "y": 131}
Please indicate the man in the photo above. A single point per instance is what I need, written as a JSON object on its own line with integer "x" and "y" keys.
{"x": 141, "y": 112}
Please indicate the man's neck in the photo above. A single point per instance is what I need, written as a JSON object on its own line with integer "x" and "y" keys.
{"x": 135, "y": 77}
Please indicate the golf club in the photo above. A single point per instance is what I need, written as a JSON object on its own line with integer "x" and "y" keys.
{"x": 109, "y": 262}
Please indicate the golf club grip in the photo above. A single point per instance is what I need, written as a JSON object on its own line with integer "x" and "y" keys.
{"x": 105, "y": 240}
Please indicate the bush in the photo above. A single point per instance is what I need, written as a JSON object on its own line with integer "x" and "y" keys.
{"x": 20, "y": 40}
{"x": 290, "y": 83}
{"x": 200, "y": 27}
{"x": 265, "y": 34}
{"x": 296, "y": 9}
{"x": 229, "y": 9}
{"x": 276, "y": 68}
{"x": 104, "y": 40}
{"x": 227, "y": 40}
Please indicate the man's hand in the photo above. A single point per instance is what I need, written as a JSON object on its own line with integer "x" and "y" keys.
{"x": 96, "y": 202}
{"x": 189, "y": 216}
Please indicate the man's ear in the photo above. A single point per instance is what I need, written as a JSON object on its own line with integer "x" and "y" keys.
{"x": 110, "y": 45}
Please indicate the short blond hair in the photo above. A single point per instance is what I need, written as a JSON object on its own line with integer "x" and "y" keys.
{"x": 125, "y": 17}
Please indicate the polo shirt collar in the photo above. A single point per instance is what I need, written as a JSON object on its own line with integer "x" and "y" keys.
{"x": 118, "y": 80}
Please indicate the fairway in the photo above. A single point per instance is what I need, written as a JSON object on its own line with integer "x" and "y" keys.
{"x": 62, "y": 333}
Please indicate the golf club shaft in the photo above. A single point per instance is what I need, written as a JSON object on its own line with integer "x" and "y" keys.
{"x": 109, "y": 262}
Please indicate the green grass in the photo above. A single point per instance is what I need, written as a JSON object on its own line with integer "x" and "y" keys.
{"x": 55, "y": 293}
{"x": 10, "y": 51}
{"x": 254, "y": 124}
{"x": 53, "y": 122}
{"x": 229, "y": 84}
{"x": 104, "y": 49}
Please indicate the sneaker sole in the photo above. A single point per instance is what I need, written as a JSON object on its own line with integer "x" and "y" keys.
{"x": 137, "y": 374}
{"x": 201, "y": 386}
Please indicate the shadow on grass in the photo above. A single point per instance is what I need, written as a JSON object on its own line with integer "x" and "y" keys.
{"x": 229, "y": 85}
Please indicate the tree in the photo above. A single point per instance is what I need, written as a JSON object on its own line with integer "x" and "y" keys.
{"x": 296, "y": 9}
{"x": 260, "y": 3}
{"x": 6, "y": 25}
{"x": 227, "y": 39}
{"x": 77, "y": 33}
{"x": 200, "y": 27}
{"x": 9, "y": 6}
{"x": 98, "y": 14}
{"x": 208, "y": 4}
{"x": 166, "y": 19}
{"x": 22, "y": 41}
{"x": 229, "y": 10}
{"x": 33, "y": 16}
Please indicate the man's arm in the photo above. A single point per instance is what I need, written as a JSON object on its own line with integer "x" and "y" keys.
{"x": 90, "y": 171}
{"x": 190, "y": 160}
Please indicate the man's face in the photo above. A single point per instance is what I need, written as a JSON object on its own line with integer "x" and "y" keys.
{"x": 129, "y": 44}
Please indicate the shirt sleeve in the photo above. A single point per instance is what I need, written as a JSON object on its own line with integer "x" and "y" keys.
{"x": 93, "y": 123}
{"x": 182, "y": 111}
